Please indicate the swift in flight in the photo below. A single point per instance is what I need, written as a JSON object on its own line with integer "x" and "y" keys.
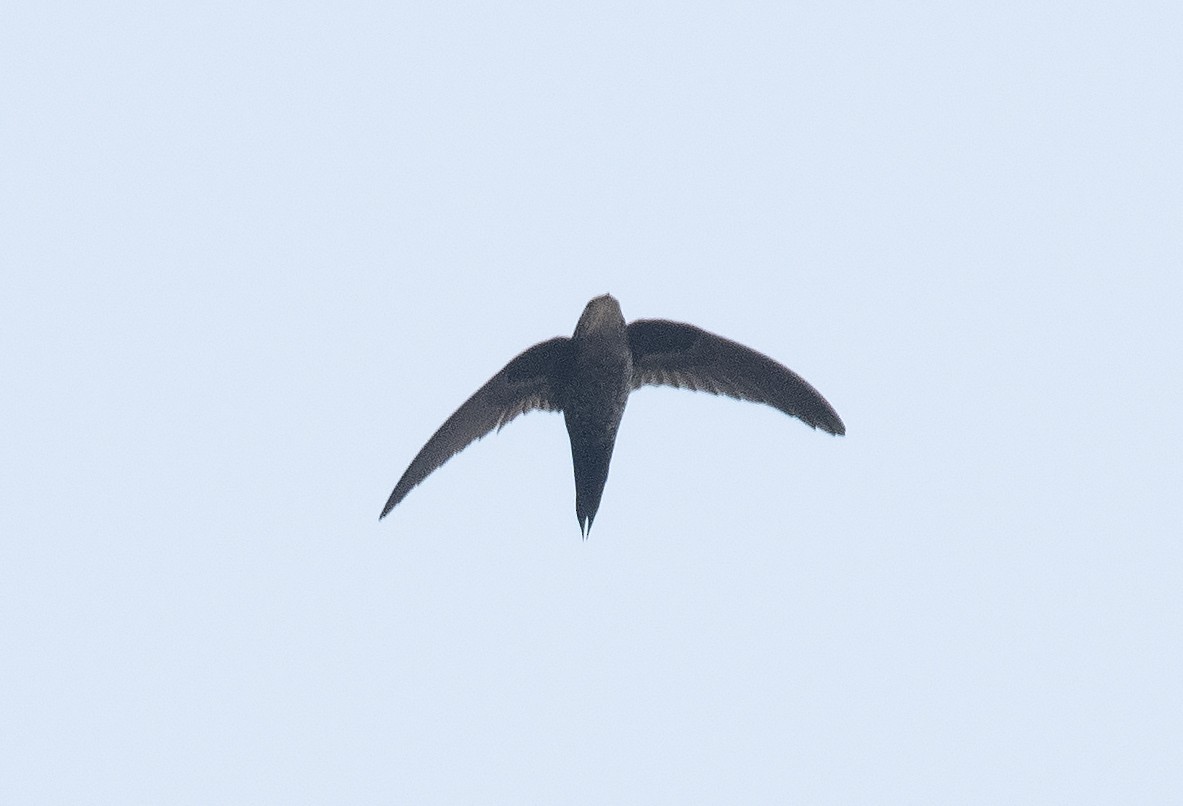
{"x": 589, "y": 376}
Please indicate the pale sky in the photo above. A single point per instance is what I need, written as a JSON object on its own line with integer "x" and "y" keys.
{"x": 254, "y": 255}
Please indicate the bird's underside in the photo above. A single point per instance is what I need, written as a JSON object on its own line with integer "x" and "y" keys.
{"x": 589, "y": 376}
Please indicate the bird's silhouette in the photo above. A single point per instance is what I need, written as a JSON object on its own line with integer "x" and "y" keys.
{"x": 589, "y": 376}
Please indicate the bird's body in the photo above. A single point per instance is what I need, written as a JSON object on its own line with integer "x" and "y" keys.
{"x": 593, "y": 401}
{"x": 589, "y": 377}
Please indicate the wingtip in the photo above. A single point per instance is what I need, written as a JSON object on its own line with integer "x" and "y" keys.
{"x": 828, "y": 421}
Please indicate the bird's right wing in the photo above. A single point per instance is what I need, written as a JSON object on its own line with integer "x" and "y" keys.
{"x": 526, "y": 383}
{"x": 676, "y": 354}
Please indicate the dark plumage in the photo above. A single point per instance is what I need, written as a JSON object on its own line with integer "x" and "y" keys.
{"x": 589, "y": 376}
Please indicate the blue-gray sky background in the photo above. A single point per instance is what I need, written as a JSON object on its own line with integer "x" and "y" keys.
{"x": 254, "y": 254}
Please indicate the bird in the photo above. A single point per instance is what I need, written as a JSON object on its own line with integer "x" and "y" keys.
{"x": 589, "y": 376}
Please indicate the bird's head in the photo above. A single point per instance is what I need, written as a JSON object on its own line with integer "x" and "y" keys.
{"x": 602, "y": 313}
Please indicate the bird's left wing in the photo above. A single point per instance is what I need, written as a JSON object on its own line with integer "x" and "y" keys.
{"x": 524, "y": 384}
{"x": 677, "y": 354}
